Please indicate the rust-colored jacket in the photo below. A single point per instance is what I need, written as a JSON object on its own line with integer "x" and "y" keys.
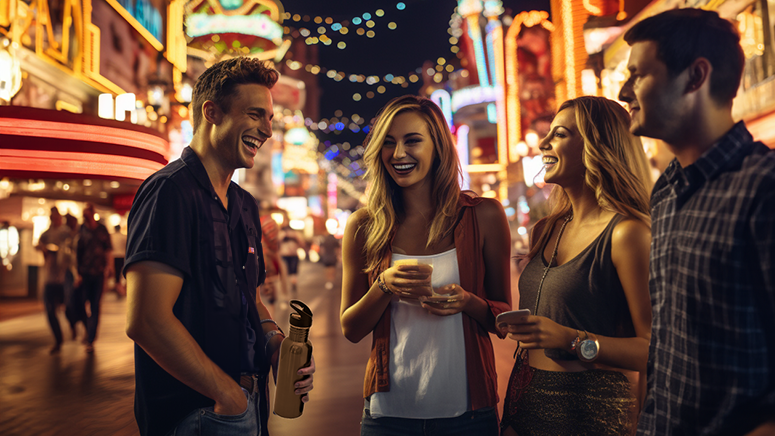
{"x": 480, "y": 359}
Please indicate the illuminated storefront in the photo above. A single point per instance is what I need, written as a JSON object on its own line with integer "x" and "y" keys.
{"x": 754, "y": 102}
{"x": 86, "y": 93}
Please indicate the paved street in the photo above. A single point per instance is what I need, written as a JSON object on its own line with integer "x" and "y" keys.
{"x": 73, "y": 393}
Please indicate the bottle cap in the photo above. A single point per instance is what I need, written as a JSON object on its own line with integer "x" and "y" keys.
{"x": 303, "y": 316}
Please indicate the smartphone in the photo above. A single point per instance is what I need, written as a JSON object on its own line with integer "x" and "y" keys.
{"x": 512, "y": 317}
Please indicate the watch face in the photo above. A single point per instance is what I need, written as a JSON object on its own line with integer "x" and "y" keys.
{"x": 588, "y": 349}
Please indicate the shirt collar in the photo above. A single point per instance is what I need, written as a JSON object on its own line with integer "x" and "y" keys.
{"x": 727, "y": 149}
{"x": 724, "y": 151}
{"x": 194, "y": 164}
{"x": 196, "y": 167}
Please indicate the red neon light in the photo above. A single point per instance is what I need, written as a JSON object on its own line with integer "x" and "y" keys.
{"x": 84, "y": 132}
{"x": 77, "y": 163}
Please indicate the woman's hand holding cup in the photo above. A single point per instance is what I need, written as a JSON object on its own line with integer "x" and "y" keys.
{"x": 409, "y": 279}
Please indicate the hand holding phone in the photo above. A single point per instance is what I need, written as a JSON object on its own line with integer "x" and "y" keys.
{"x": 512, "y": 317}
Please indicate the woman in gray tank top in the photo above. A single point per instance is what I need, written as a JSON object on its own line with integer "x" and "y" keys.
{"x": 586, "y": 282}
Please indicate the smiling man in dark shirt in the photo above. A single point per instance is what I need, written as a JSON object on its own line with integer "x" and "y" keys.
{"x": 204, "y": 343}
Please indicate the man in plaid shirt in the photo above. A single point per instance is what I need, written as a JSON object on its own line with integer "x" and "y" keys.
{"x": 711, "y": 367}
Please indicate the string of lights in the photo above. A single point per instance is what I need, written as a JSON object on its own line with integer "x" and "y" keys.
{"x": 343, "y": 27}
{"x": 441, "y": 66}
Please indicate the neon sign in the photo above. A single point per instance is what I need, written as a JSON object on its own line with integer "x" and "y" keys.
{"x": 474, "y": 95}
{"x": 145, "y": 14}
{"x": 442, "y": 99}
{"x": 260, "y": 25}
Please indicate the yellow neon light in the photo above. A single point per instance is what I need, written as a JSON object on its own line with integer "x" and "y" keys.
{"x": 176, "y": 40}
{"x": 7, "y": 9}
{"x": 69, "y": 107}
{"x": 72, "y": 17}
{"x": 136, "y": 24}
{"x": 500, "y": 102}
{"x": 513, "y": 107}
{"x": 485, "y": 168}
{"x": 592, "y": 9}
{"x": 566, "y": 12}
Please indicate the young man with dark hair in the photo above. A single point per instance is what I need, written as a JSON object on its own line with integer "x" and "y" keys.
{"x": 711, "y": 364}
{"x": 204, "y": 343}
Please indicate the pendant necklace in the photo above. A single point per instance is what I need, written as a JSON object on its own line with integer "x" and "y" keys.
{"x": 568, "y": 218}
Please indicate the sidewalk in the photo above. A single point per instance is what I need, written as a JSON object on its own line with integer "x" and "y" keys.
{"x": 72, "y": 392}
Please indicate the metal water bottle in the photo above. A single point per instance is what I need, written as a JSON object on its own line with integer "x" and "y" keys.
{"x": 295, "y": 353}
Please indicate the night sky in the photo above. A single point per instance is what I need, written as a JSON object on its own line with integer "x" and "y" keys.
{"x": 421, "y": 35}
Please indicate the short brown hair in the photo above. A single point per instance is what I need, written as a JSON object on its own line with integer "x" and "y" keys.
{"x": 683, "y": 35}
{"x": 217, "y": 82}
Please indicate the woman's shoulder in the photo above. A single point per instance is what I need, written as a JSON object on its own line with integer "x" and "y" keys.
{"x": 630, "y": 231}
{"x": 358, "y": 219}
{"x": 488, "y": 208}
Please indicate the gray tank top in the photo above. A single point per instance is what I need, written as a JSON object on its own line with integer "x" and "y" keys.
{"x": 584, "y": 293}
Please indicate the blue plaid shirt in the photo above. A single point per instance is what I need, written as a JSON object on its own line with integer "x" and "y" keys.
{"x": 711, "y": 367}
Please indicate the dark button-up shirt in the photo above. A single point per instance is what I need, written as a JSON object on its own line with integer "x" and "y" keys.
{"x": 712, "y": 281}
{"x": 178, "y": 219}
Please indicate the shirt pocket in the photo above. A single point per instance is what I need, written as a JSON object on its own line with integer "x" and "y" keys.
{"x": 255, "y": 270}
{"x": 225, "y": 292}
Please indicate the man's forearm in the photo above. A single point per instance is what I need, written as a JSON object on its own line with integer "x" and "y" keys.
{"x": 169, "y": 344}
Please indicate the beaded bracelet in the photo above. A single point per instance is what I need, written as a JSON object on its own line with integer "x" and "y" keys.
{"x": 382, "y": 286}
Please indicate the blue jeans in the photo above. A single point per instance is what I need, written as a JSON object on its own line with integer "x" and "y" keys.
{"x": 480, "y": 422}
{"x": 206, "y": 422}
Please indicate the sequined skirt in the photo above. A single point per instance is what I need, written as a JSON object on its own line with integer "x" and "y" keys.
{"x": 596, "y": 402}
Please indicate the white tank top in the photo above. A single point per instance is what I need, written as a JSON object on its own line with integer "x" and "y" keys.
{"x": 427, "y": 354}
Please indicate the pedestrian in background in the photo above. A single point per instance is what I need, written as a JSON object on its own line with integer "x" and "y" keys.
{"x": 432, "y": 361}
{"x": 55, "y": 264}
{"x": 204, "y": 343}
{"x": 75, "y": 303}
{"x": 586, "y": 282}
{"x": 94, "y": 256}
{"x": 290, "y": 244}
{"x": 329, "y": 257}
{"x": 270, "y": 242}
{"x": 118, "y": 240}
{"x": 712, "y": 282}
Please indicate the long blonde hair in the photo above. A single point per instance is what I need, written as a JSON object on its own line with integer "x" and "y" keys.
{"x": 616, "y": 166}
{"x": 385, "y": 205}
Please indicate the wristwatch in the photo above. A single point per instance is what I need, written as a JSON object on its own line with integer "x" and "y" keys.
{"x": 588, "y": 349}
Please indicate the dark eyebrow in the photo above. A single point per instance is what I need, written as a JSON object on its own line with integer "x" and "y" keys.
{"x": 406, "y": 136}
{"x": 260, "y": 111}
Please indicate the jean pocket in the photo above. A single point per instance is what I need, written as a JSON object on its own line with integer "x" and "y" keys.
{"x": 210, "y": 413}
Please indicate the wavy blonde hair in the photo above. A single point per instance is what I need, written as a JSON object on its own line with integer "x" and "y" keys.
{"x": 385, "y": 207}
{"x": 616, "y": 166}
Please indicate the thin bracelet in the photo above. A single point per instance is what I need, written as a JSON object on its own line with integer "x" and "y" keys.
{"x": 382, "y": 286}
{"x": 268, "y": 337}
{"x": 275, "y": 324}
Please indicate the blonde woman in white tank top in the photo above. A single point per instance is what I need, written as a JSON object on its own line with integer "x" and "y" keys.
{"x": 432, "y": 364}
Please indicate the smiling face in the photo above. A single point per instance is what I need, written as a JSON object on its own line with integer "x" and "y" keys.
{"x": 408, "y": 151}
{"x": 563, "y": 150}
{"x": 654, "y": 98}
{"x": 244, "y": 128}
